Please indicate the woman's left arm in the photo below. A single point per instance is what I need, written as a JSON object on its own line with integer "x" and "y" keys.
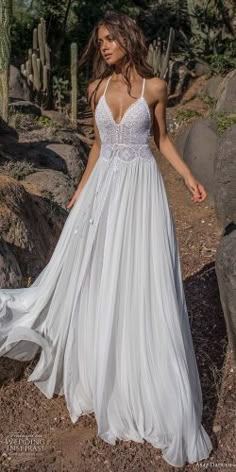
{"x": 167, "y": 148}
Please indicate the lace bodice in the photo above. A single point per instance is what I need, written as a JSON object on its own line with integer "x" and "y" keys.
{"x": 131, "y": 134}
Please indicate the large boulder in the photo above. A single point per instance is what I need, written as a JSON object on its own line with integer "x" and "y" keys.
{"x": 225, "y": 266}
{"x": 53, "y": 184}
{"x": 10, "y": 370}
{"x": 199, "y": 67}
{"x": 212, "y": 87}
{"x": 20, "y": 106}
{"x": 65, "y": 158}
{"x": 200, "y": 151}
{"x": 72, "y": 156}
{"x": 181, "y": 139}
{"x": 18, "y": 87}
{"x": 225, "y": 178}
{"x": 10, "y": 273}
{"x": 29, "y": 224}
{"x": 225, "y": 205}
{"x": 227, "y": 94}
{"x": 57, "y": 117}
{"x": 7, "y": 133}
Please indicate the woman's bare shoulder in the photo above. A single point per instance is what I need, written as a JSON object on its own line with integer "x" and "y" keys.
{"x": 93, "y": 85}
{"x": 157, "y": 88}
{"x": 100, "y": 90}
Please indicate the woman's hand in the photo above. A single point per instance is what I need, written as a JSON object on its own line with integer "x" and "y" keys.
{"x": 198, "y": 191}
{"x": 74, "y": 198}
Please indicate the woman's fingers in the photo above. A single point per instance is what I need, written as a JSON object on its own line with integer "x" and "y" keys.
{"x": 198, "y": 191}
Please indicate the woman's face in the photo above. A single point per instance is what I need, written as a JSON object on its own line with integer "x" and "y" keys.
{"x": 109, "y": 48}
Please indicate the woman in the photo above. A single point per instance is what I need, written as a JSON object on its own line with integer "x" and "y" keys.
{"x": 108, "y": 310}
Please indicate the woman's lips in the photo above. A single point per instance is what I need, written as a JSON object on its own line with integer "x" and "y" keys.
{"x": 108, "y": 56}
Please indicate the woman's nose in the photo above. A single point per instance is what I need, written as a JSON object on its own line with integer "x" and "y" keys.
{"x": 104, "y": 46}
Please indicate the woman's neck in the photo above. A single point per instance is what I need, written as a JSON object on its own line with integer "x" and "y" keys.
{"x": 118, "y": 73}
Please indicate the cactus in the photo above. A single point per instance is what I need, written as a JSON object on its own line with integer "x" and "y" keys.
{"x": 36, "y": 73}
{"x": 5, "y": 51}
{"x": 37, "y": 68}
{"x": 74, "y": 82}
{"x": 156, "y": 57}
{"x": 166, "y": 58}
{"x": 35, "y": 39}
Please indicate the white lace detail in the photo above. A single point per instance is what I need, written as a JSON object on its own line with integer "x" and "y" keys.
{"x": 126, "y": 152}
{"x": 128, "y": 139}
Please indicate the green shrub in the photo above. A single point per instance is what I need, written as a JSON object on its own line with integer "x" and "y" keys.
{"x": 184, "y": 116}
{"x": 223, "y": 120}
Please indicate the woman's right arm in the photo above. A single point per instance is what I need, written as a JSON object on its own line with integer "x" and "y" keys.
{"x": 93, "y": 154}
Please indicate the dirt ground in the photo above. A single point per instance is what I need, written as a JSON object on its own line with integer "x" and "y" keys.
{"x": 43, "y": 425}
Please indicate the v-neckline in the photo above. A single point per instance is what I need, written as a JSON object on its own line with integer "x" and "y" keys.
{"x": 130, "y": 106}
{"x": 125, "y": 113}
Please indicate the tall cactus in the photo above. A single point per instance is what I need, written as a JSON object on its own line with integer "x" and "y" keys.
{"x": 159, "y": 59}
{"x": 5, "y": 52}
{"x": 37, "y": 68}
{"x": 74, "y": 82}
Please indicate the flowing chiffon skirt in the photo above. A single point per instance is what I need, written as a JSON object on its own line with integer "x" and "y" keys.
{"x": 109, "y": 315}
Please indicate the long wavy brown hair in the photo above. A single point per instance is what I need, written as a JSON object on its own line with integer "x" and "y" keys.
{"x": 119, "y": 25}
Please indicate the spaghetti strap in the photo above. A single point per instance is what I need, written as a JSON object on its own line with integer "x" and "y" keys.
{"x": 107, "y": 85}
{"x": 143, "y": 87}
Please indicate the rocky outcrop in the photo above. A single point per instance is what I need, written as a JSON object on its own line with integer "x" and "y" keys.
{"x": 24, "y": 107}
{"x": 182, "y": 138}
{"x": 54, "y": 184}
{"x": 10, "y": 370}
{"x": 29, "y": 224}
{"x": 199, "y": 144}
{"x": 10, "y": 273}
{"x": 7, "y": 133}
{"x": 212, "y": 87}
{"x": 225, "y": 205}
{"x": 18, "y": 87}
{"x": 225, "y": 267}
{"x": 227, "y": 94}
{"x": 225, "y": 178}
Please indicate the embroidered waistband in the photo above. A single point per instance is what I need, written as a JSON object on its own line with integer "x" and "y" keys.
{"x": 126, "y": 152}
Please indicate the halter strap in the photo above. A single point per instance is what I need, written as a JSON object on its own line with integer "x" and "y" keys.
{"x": 107, "y": 85}
{"x": 143, "y": 87}
{"x": 108, "y": 80}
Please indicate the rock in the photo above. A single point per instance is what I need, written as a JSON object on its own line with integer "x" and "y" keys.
{"x": 56, "y": 116}
{"x": 199, "y": 68}
{"x": 227, "y": 94}
{"x": 72, "y": 156}
{"x": 225, "y": 205}
{"x": 65, "y": 158}
{"x": 10, "y": 369}
{"x": 37, "y": 154}
{"x": 211, "y": 88}
{"x": 225, "y": 267}
{"x": 51, "y": 182}
{"x": 68, "y": 136}
{"x": 10, "y": 273}
{"x": 216, "y": 428}
{"x": 200, "y": 153}
{"x": 225, "y": 178}
{"x": 24, "y": 107}
{"x": 18, "y": 87}
{"x": 181, "y": 139}
{"x": 179, "y": 79}
{"x": 171, "y": 123}
{"x": 7, "y": 133}
{"x": 29, "y": 224}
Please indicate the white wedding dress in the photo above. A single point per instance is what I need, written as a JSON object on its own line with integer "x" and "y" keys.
{"x": 108, "y": 311}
